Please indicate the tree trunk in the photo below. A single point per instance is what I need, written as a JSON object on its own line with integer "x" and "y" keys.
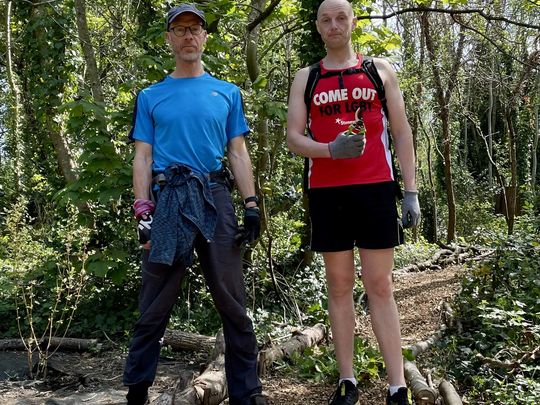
{"x": 252, "y": 63}
{"x": 512, "y": 197}
{"x": 88, "y": 51}
{"x": 443, "y": 99}
{"x": 449, "y": 182}
{"x": 53, "y": 121}
{"x": 434, "y": 214}
{"x": 16, "y": 142}
{"x": 491, "y": 121}
{"x": 534, "y": 163}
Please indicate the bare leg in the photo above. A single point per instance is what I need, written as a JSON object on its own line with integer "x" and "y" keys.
{"x": 377, "y": 278}
{"x": 340, "y": 277}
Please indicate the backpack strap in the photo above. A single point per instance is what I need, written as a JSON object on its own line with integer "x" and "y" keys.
{"x": 368, "y": 65}
{"x": 372, "y": 73}
{"x": 313, "y": 78}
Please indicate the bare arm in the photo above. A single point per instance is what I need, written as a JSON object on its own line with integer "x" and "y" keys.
{"x": 142, "y": 170}
{"x": 297, "y": 141}
{"x": 401, "y": 130}
{"x": 241, "y": 167}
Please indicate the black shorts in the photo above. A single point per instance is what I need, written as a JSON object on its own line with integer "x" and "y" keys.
{"x": 362, "y": 215}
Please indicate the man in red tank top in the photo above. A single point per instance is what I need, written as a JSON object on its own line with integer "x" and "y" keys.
{"x": 352, "y": 193}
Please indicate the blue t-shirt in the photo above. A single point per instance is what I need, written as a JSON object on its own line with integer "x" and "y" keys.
{"x": 189, "y": 121}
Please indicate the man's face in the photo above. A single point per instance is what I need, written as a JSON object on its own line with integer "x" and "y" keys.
{"x": 335, "y": 23}
{"x": 188, "y": 47}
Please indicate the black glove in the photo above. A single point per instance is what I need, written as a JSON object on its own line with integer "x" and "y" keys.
{"x": 251, "y": 228}
{"x": 144, "y": 226}
{"x": 252, "y": 223}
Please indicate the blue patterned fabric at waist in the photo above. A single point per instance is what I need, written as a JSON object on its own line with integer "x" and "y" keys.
{"x": 184, "y": 209}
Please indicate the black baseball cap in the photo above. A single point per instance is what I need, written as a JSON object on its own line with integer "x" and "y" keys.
{"x": 184, "y": 8}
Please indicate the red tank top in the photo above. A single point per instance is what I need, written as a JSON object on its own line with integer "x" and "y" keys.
{"x": 333, "y": 108}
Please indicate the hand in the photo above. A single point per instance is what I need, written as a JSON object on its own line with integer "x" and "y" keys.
{"x": 251, "y": 228}
{"x": 347, "y": 146}
{"x": 252, "y": 223}
{"x": 410, "y": 209}
{"x": 144, "y": 226}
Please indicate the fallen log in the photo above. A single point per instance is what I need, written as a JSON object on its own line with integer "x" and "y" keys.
{"x": 507, "y": 364}
{"x": 299, "y": 341}
{"x": 12, "y": 344}
{"x": 447, "y": 314}
{"x": 179, "y": 340}
{"x": 423, "y": 345}
{"x": 438, "y": 255}
{"x": 449, "y": 394}
{"x": 443, "y": 257}
{"x": 209, "y": 388}
{"x": 54, "y": 342}
{"x": 423, "y": 394}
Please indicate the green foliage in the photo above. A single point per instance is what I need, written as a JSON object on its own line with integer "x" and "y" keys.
{"x": 51, "y": 230}
{"x": 310, "y": 46}
{"x": 500, "y": 313}
{"x": 372, "y": 39}
{"x": 476, "y": 212}
{"x": 319, "y": 363}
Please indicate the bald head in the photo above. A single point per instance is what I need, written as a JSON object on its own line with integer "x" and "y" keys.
{"x": 329, "y": 5}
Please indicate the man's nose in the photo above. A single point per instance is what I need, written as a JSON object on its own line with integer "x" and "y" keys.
{"x": 188, "y": 34}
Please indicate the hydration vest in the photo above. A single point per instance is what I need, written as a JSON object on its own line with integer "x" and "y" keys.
{"x": 370, "y": 70}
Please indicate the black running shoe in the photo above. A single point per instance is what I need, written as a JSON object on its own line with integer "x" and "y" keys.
{"x": 345, "y": 394}
{"x": 138, "y": 394}
{"x": 258, "y": 399}
{"x": 401, "y": 397}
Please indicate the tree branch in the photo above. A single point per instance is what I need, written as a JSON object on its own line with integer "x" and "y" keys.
{"x": 491, "y": 41}
{"x": 275, "y": 41}
{"x": 263, "y": 15}
{"x": 447, "y": 11}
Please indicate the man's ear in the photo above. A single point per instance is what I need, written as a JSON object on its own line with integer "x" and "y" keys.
{"x": 317, "y": 25}
{"x": 167, "y": 37}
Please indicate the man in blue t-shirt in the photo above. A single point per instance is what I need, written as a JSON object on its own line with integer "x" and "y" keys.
{"x": 182, "y": 127}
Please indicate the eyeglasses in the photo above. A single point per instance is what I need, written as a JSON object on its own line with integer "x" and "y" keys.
{"x": 180, "y": 30}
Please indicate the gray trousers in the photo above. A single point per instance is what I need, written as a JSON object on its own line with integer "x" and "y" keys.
{"x": 221, "y": 263}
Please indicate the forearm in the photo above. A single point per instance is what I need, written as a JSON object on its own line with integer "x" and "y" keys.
{"x": 243, "y": 173}
{"x": 142, "y": 177}
{"x": 307, "y": 147}
{"x": 405, "y": 154}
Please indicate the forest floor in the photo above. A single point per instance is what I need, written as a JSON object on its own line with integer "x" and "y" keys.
{"x": 96, "y": 379}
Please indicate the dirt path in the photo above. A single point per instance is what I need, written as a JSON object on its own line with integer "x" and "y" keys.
{"x": 418, "y": 296}
{"x": 90, "y": 379}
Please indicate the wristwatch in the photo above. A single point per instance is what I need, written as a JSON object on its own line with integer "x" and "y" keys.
{"x": 252, "y": 198}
